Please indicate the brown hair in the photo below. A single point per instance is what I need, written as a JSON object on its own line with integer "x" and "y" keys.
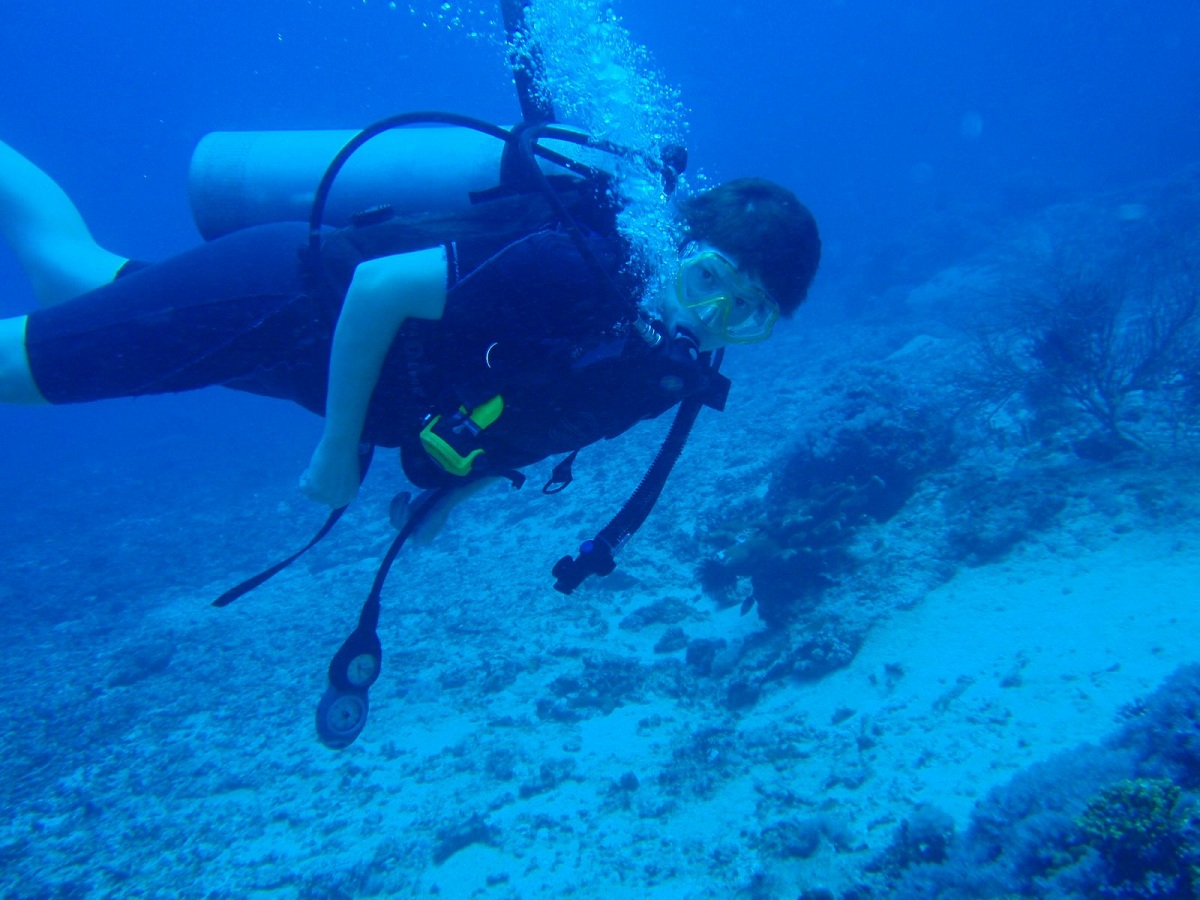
{"x": 769, "y": 232}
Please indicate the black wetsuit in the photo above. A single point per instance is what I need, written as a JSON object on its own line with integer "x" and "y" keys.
{"x": 529, "y": 319}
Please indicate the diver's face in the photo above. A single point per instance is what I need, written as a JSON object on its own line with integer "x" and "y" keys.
{"x": 717, "y": 302}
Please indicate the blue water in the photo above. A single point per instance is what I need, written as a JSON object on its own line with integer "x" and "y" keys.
{"x": 858, "y": 107}
{"x": 917, "y": 132}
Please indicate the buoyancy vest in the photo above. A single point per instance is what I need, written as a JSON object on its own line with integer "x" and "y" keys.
{"x": 590, "y": 375}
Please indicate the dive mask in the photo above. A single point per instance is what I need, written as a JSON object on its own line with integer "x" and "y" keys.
{"x": 730, "y": 305}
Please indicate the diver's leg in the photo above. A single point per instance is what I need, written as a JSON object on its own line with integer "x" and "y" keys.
{"x": 435, "y": 521}
{"x": 47, "y": 233}
{"x": 16, "y": 379}
{"x": 239, "y": 311}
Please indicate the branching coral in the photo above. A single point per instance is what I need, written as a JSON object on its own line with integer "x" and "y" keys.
{"x": 1092, "y": 333}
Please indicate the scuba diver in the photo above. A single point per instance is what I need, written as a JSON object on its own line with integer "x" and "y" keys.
{"x": 500, "y": 320}
{"x": 485, "y": 351}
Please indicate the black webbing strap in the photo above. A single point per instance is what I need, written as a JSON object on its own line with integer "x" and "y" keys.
{"x": 365, "y": 454}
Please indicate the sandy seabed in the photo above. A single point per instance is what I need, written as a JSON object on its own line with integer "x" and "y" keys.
{"x": 527, "y": 744}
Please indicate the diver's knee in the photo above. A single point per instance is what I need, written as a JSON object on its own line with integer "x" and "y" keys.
{"x": 16, "y": 378}
{"x": 63, "y": 269}
{"x": 47, "y": 233}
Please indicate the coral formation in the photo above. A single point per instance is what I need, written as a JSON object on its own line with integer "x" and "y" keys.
{"x": 1137, "y": 827}
{"x": 861, "y": 469}
{"x": 1112, "y": 336}
{"x": 1109, "y": 821}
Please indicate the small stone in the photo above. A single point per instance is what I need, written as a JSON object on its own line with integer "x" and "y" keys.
{"x": 700, "y": 653}
{"x": 742, "y": 693}
{"x": 794, "y": 838}
{"x": 841, "y": 714}
{"x": 452, "y": 838}
{"x": 673, "y": 639}
{"x": 141, "y": 661}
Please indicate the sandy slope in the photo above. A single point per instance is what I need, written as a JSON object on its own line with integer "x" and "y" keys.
{"x": 204, "y": 775}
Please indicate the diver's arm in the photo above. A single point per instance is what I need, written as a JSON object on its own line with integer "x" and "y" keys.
{"x": 383, "y": 293}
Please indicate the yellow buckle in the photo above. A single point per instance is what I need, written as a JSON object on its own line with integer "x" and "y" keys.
{"x": 453, "y": 443}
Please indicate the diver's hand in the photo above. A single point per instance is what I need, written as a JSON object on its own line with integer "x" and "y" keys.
{"x": 333, "y": 475}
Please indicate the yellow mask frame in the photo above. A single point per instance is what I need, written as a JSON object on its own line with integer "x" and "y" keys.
{"x": 730, "y": 305}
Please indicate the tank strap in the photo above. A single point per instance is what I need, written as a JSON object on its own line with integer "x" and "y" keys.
{"x": 365, "y": 453}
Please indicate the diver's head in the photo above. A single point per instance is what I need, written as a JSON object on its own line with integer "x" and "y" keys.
{"x": 762, "y": 227}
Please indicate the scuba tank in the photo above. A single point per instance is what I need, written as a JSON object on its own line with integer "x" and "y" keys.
{"x": 245, "y": 178}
